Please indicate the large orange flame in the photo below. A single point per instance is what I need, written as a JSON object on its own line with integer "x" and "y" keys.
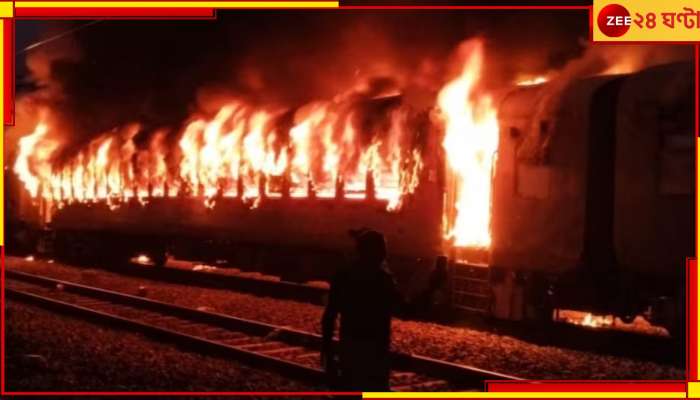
{"x": 32, "y": 162}
{"x": 241, "y": 151}
{"x": 322, "y": 149}
{"x": 471, "y": 142}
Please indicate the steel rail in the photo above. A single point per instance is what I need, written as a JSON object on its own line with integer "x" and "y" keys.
{"x": 257, "y": 343}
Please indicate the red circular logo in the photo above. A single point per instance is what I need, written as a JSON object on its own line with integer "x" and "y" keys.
{"x": 614, "y": 20}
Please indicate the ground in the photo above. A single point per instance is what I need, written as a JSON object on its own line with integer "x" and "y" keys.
{"x": 50, "y": 352}
{"x": 477, "y": 347}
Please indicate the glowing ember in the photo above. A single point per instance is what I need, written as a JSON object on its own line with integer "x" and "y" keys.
{"x": 586, "y": 319}
{"x": 596, "y": 321}
{"x": 203, "y": 267}
{"x": 471, "y": 142}
{"x": 532, "y": 81}
{"x": 142, "y": 259}
{"x": 638, "y": 325}
{"x": 29, "y": 258}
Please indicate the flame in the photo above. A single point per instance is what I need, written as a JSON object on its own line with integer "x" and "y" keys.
{"x": 532, "y": 81}
{"x": 325, "y": 149}
{"x": 586, "y": 319}
{"x": 471, "y": 142}
{"x": 142, "y": 259}
{"x": 31, "y": 164}
{"x": 596, "y": 321}
{"x": 630, "y": 59}
{"x": 623, "y": 66}
{"x": 241, "y": 151}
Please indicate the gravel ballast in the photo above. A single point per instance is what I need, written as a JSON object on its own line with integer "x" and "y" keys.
{"x": 473, "y": 347}
{"x": 51, "y": 352}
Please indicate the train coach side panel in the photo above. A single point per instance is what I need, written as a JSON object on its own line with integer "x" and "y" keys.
{"x": 540, "y": 182}
{"x": 654, "y": 203}
{"x": 322, "y": 224}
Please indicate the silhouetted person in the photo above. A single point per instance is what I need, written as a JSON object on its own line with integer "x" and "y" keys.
{"x": 365, "y": 296}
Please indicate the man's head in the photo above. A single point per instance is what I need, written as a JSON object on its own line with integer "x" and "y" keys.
{"x": 370, "y": 245}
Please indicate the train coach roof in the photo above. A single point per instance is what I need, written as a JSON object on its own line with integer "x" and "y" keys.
{"x": 547, "y": 98}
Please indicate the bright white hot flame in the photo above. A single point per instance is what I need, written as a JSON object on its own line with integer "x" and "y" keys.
{"x": 33, "y": 154}
{"x": 532, "y": 81}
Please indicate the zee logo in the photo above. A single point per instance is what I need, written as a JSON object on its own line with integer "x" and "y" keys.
{"x": 614, "y": 20}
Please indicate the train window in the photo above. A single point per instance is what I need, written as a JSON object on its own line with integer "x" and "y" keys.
{"x": 533, "y": 181}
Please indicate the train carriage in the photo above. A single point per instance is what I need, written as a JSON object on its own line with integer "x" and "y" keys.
{"x": 592, "y": 208}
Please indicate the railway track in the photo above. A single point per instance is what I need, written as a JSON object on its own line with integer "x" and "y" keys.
{"x": 285, "y": 350}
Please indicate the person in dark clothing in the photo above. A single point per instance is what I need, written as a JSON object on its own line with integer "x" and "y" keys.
{"x": 365, "y": 296}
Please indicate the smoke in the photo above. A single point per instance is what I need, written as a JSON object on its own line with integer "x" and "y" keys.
{"x": 595, "y": 60}
{"x": 602, "y": 59}
{"x": 608, "y": 60}
{"x": 160, "y": 74}
{"x": 42, "y": 59}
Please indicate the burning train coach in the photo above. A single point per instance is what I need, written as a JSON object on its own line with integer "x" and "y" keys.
{"x": 551, "y": 194}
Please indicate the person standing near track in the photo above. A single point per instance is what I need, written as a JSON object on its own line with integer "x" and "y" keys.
{"x": 366, "y": 297}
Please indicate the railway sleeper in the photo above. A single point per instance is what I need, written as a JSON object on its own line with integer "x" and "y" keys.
{"x": 296, "y": 370}
{"x": 285, "y": 352}
{"x": 262, "y": 346}
{"x": 304, "y": 359}
{"x": 190, "y": 325}
{"x": 220, "y": 334}
{"x": 309, "y": 354}
{"x": 242, "y": 341}
{"x": 91, "y": 303}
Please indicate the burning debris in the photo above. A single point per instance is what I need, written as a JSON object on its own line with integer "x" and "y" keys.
{"x": 142, "y": 259}
{"x": 609, "y": 322}
{"x": 204, "y": 268}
